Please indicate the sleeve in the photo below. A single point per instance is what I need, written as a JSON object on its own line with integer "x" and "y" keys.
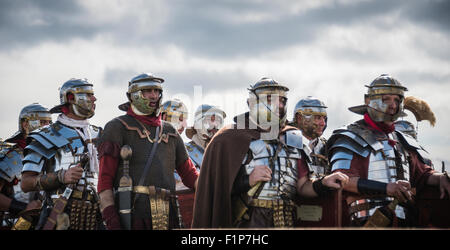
{"x": 358, "y": 167}
{"x": 181, "y": 152}
{"x": 108, "y": 154}
{"x": 302, "y": 168}
{"x": 188, "y": 173}
{"x": 419, "y": 172}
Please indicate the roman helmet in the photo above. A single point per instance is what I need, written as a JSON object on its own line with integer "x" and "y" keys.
{"x": 382, "y": 85}
{"x": 174, "y": 110}
{"x": 140, "y": 104}
{"x": 308, "y": 108}
{"x": 261, "y": 111}
{"x": 208, "y": 120}
{"x": 34, "y": 114}
{"x": 82, "y": 105}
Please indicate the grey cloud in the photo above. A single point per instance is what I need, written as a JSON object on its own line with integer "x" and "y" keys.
{"x": 184, "y": 82}
{"x": 202, "y": 26}
{"x": 27, "y": 23}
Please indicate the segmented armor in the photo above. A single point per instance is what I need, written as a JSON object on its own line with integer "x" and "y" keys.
{"x": 59, "y": 146}
{"x": 387, "y": 163}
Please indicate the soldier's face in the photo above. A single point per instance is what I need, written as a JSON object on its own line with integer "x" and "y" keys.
{"x": 183, "y": 124}
{"x": 311, "y": 125}
{"x": 279, "y": 104}
{"x": 392, "y": 102}
{"x": 152, "y": 95}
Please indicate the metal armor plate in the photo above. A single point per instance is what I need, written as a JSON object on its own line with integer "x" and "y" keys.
{"x": 10, "y": 163}
{"x": 195, "y": 152}
{"x": 285, "y": 174}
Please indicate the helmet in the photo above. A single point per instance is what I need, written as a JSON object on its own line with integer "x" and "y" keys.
{"x": 382, "y": 85}
{"x": 34, "y": 114}
{"x": 208, "y": 119}
{"x": 82, "y": 106}
{"x": 261, "y": 112}
{"x": 174, "y": 110}
{"x": 406, "y": 127}
{"x": 135, "y": 87}
{"x": 307, "y": 108}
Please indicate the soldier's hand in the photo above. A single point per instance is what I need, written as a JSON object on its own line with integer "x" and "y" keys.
{"x": 35, "y": 204}
{"x": 260, "y": 173}
{"x": 73, "y": 174}
{"x": 400, "y": 190}
{"x": 335, "y": 180}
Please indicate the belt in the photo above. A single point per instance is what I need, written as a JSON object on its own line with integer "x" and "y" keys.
{"x": 366, "y": 206}
{"x": 151, "y": 190}
{"x": 77, "y": 194}
{"x": 270, "y": 203}
{"x": 159, "y": 199}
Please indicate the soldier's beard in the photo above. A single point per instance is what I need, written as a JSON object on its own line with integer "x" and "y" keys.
{"x": 309, "y": 129}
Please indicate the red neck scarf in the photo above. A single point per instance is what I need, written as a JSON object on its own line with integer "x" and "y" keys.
{"x": 380, "y": 126}
{"x": 153, "y": 121}
{"x": 22, "y": 143}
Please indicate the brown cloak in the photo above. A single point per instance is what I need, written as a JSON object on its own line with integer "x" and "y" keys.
{"x": 221, "y": 163}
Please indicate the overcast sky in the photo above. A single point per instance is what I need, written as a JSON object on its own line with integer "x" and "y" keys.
{"x": 211, "y": 51}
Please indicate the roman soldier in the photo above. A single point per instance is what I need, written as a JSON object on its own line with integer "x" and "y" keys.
{"x": 310, "y": 116}
{"x": 384, "y": 165}
{"x": 12, "y": 199}
{"x": 253, "y": 169}
{"x": 61, "y": 160}
{"x": 208, "y": 120}
{"x": 175, "y": 112}
{"x": 138, "y": 155}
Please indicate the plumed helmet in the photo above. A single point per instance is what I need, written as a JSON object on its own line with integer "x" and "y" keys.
{"x": 81, "y": 89}
{"x": 135, "y": 96}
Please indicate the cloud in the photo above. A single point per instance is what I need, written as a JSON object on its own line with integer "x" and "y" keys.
{"x": 217, "y": 29}
{"x": 328, "y": 49}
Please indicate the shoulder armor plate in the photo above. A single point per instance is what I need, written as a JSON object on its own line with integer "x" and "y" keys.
{"x": 294, "y": 139}
{"x": 412, "y": 144}
{"x": 10, "y": 164}
{"x": 195, "y": 153}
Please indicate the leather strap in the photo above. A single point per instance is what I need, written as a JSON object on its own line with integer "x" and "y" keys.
{"x": 58, "y": 208}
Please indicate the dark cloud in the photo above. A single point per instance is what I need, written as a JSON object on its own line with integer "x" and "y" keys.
{"x": 27, "y": 23}
{"x": 204, "y": 27}
{"x": 433, "y": 13}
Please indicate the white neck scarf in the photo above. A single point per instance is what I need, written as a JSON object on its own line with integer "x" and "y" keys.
{"x": 82, "y": 128}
